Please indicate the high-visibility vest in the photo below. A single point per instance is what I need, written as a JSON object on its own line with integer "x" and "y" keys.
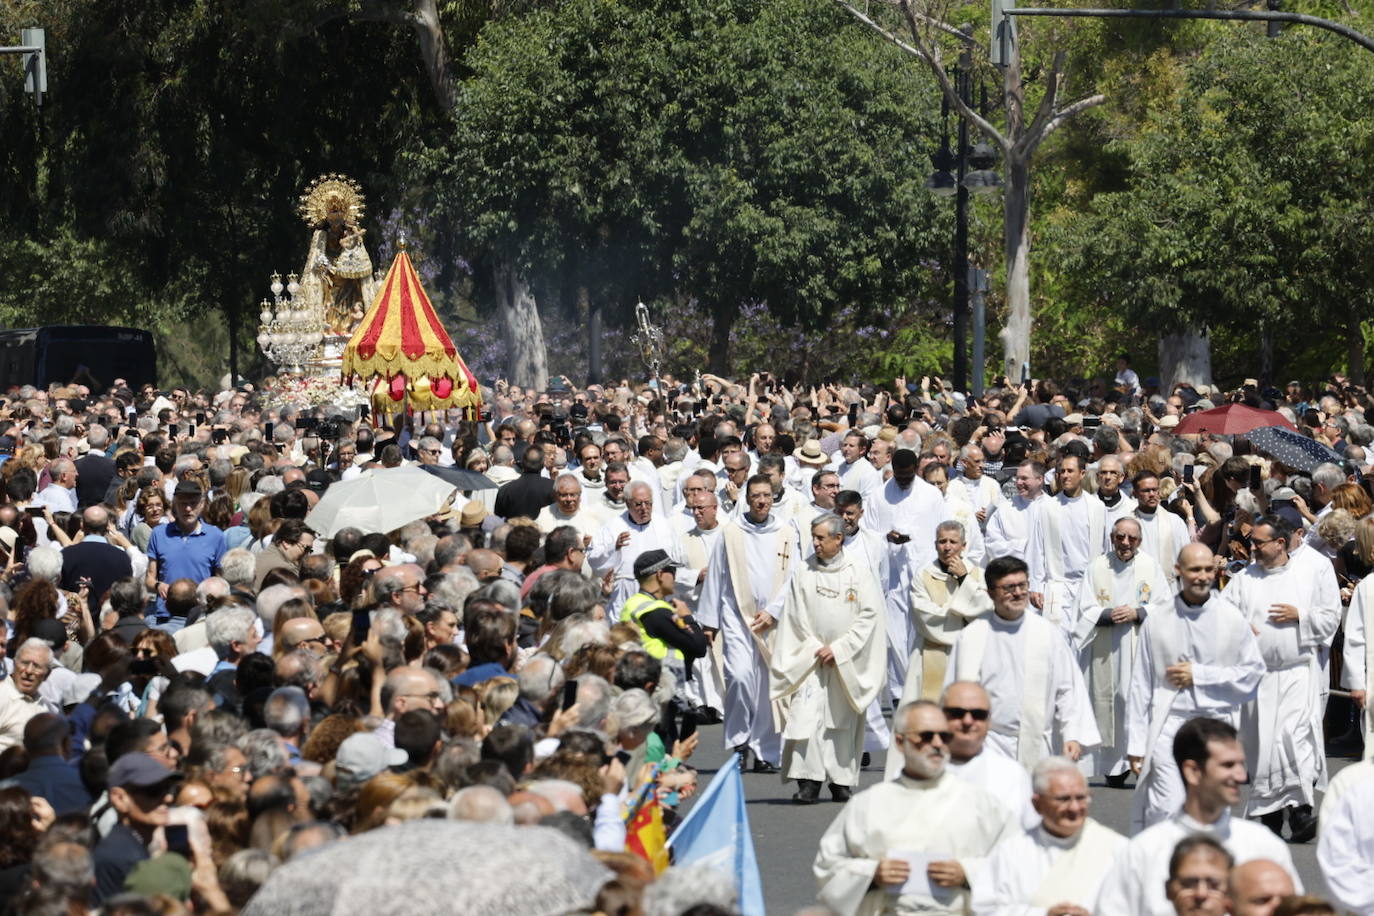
{"x": 635, "y": 608}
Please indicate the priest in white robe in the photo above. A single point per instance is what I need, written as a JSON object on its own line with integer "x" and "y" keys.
{"x": 1068, "y": 531}
{"x": 1213, "y": 771}
{"x": 1120, "y": 590}
{"x": 1197, "y": 658}
{"x": 1358, "y": 653}
{"x": 1283, "y": 724}
{"x": 567, "y": 509}
{"x": 828, "y": 659}
{"x": 852, "y": 464}
{"x": 958, "y": 509}
{"x": 742, "y": 598}
{"x": 1163, "y": 534}
{"x": 914, "y": 844}
{"x": 1008, "y": 529}
{"x": 866, "y": 549}
{"x": 967, "y": 707}
{"x": 625, "y": 536}
{"x": 1028, "y": 669}
{"x": 1108, "y": 478}
{"x": 1345, "y": 850}
{"x": 945, "y": 596}
{"x": 904, "y": 514}
{"x": 706, "y": 689}
{"x": 1056, "y": 868}
{"x": 981, "y": 492}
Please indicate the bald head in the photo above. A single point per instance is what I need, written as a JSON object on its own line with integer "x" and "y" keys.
{"x": 95, "y": 520}
{"x": 480, "y": 803}
{"x": 485, "y": 564}
{"x": 528, "y": 807}
{"x": 407, "y": 688}
{"x": 1196, "y": 572}
{"x": 1257, "y": 887}
{"x": 965, "y": 694}
{"x": 303, "y": 631}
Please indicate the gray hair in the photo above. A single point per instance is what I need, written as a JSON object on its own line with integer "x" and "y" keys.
{"x": 594, "y": 699}
{"x": 229, "y": 625}
{"x": 503, "y": 592}
{"x": 45, "y": 563}
{"x": 480, "y": 803}
{"x": 950, "y": 524}
{"x": 585, "y": 633}
{"x": 286, "y": 711}
{"x": 1326, "y": 475}
{"x": 1046, "y": 768}
{"x": 244, "y": 872}
{"x": 540, "y": 678}
{"x": 390, "y": 626}
{"x": 674, "y": 449}
{"x": 679, "y": 889}
{"x": 634, "y": 708}
{"x": 1127, "y": 520}
{"x": 270, "y": 485}
{"x": 454, "y": 587}
{"x": 571, "y": 478}
{"x": 270, "y": 601}
{"x": 831, "y": 522}
{"x": 34, "y": 642}
{"x": 213, "y": 587}
{"x": 238, "y": 567}
{"x": 262, "y": 747}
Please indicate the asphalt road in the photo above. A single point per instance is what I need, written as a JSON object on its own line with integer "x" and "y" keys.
{"x": 786, "y": 835}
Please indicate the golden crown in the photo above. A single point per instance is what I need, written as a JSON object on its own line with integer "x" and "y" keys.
{"x": 320, "y": 193}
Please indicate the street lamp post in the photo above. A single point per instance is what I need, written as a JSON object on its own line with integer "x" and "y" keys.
{"x": 980, "y": 180}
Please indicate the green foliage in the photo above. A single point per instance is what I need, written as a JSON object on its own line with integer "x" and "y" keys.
{"x": 1245, "y": 205}
{"x": 714, "y": 150}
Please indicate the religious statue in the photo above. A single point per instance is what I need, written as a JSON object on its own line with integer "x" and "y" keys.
{"x": 337, "y": 281}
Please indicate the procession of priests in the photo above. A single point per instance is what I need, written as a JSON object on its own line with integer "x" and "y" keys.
{"x": 1097, "y": 634}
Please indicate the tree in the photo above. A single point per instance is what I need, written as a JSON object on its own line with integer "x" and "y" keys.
{"x": 1245, "y": 207}
{"x": 924, "y": 27}
{"x": 714, "y": 151}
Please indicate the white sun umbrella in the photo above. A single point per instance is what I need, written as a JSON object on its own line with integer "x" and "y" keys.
{"x": 379, "y": 500}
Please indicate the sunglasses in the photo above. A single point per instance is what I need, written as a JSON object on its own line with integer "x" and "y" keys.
{"x": 958, "y": 712}
{"x": 928, "y": 736}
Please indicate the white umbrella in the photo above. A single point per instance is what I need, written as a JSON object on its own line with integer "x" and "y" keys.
{"x": 381, "y": 500}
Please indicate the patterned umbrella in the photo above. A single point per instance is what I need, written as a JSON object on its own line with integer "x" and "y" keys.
{"x": 1230, "y": 420}
{"x": 401, "y": 347}
{"x": 1292, "y": 448}
{"x": 436, "y": 867}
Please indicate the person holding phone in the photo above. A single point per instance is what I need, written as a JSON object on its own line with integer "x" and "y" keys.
{"x": 184, "y": 548}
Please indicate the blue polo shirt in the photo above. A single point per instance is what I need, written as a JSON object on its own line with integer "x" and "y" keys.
{"x": 182, "y": 555}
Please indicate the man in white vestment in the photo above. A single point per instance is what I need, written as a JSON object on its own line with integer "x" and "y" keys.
{"x": 742, "y": 597}
{"x": 788, "y": 504}
{"x": 1283, "y": 724}
{"x": 609, "y": 501}
{"x": 1009, "y": 527}
{"x": 625, "y": 536}
{"x": 904, "y": 513}
{"x": 824, "y": 486}
{"x": 698, "y": 481}
{"x": 1198, "y": 658}
{"x": 945, "y": 596}
{"x": 855, "y": 470}
{"x": 979, "y": 490}
{"x": 911, "y": 845}
{"x": 1163, "y": 534}
{"x": 1067, "y": 532}
{"x": 866, "y": 549}
{"x": 1257, "y": 887}
{"x": 828, "y": 658}
{"x": 1345, "y": 850}
{"x": 706, "y": 690}
{"x": 567, "y": 509}
{"x": 1210, "y": 760}
{"x": 1111, "y": 474}
{"x": 1056, "y": 868}
{"x": 1120, "y": 590}
{"x": 1358, "y": 653}
{"x": 967, "y": 708}
{"x": 957, "y": 509}
{"x": 1199, "y": 869}
{"x": 1028, "y": 669}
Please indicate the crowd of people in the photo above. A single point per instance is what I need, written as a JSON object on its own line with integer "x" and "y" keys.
{"x": 1000, "y": 599}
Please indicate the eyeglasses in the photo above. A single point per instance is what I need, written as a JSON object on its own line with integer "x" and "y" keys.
{"x": 418, "y": 588}
{"x": 1256, "y": 542}
{"x": 958, "y": 712}
{"x": 1013, "y": 589}
{"x": 1194, "y": 882}
{"x": 1125, "y": 537}
{"x": 431, "y": 696}
{"x": 928, "y": 736}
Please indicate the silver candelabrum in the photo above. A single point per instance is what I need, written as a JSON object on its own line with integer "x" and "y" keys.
{"x": 290, "y": 334}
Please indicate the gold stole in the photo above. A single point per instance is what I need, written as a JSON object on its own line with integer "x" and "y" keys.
{"x": 1103, "y": 662}
{"x": 738, "y": 558}
{"x": 934, "y": 657}
{"x": 1074, "y": 873}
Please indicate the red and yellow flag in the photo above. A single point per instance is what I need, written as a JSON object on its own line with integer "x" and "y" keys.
{"x": 646, "y": 837}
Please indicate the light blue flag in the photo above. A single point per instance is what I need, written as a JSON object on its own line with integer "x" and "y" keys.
{"x": 715, "y": 833}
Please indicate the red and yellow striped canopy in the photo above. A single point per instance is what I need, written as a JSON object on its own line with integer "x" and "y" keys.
{"x": 402, "y": 345}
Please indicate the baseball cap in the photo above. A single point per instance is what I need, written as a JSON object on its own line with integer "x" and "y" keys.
{"x": 363, "y": 756}
{"x": 140, "y": 771}
{"x": 652, "y": 561}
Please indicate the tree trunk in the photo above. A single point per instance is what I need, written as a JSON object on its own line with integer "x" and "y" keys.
{"x": 527, "y": 359}
{"x": 594, "y": 367}
{"x": 1016, "y": 335}
{"x": 720, "y": 342}
{"x": 1185, "y": 356}
{"x": 1354, "y": 336}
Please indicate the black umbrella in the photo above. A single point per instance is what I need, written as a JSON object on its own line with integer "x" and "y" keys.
{"x": 1292, "y": 449}
{"x": 461, "y": 478}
